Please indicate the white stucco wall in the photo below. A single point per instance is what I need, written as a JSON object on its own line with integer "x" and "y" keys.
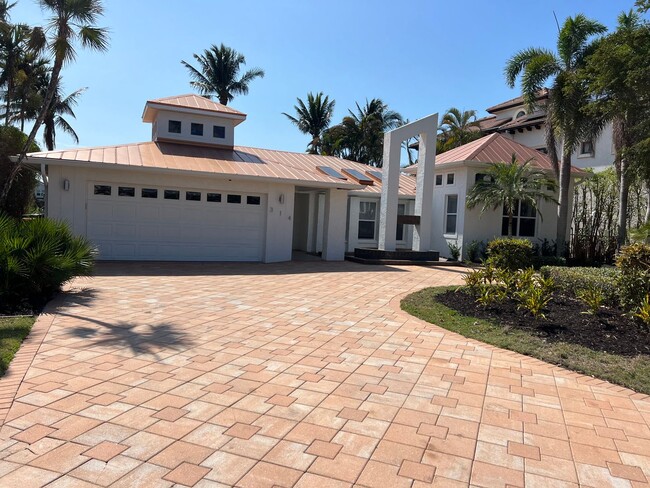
{"x": 440, "y": 240}
{"x": 160, "y": 128}
{"x": 70, "y": 205}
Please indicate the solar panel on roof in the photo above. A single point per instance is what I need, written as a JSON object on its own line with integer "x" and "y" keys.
{"x": 331, "y": 172}
{"x": 374, "y": 174}
{"x": 358, "y": 176}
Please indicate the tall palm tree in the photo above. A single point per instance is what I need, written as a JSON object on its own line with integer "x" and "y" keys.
{"x": 368, "y": 124}
{"x": 14, "y": 47}
{"x": 459, "y": 127}
{"x": 507, "y": 184}
{"x": 565, "y": 119}
{"x": 61, "y": 106}
{"x": 218, "y": 73}
{"x": 72, "y": 21}
{"x": 313, "y": 118}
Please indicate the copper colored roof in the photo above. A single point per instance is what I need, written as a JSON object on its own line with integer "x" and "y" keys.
{"x": 495, "y": 148}
{"x": 527, "y": 120}
{"x": 243, "y": 162}
{"x": 196, "y": 102}
{"x": 543, "y": 93}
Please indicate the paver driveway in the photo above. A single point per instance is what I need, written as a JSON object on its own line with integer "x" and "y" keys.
{"x": 298, "y": 374}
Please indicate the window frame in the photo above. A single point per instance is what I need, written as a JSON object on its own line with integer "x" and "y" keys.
{"x": 197, "y": 126}
{"x": 180, "y": 126}
{"x": 587, "y": 154}
{"x": 516, "y": 222}
{"x": 374, "y": 221}
{"x": 448, "y": 214}
{"x": 214, "y": 131}
{"x": 453, "y": 179}
{"x": 439, "y": 180}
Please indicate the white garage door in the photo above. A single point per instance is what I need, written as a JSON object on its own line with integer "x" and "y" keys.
{"x": 165, "y": 223}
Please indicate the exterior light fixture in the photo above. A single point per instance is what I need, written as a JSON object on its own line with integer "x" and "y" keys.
{"x": 66, "y": 184}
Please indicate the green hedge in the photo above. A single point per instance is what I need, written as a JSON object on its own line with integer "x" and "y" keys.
{"x": 634, "y": 263}
{"x": 511, "y": 254}
{"x": 573, "y": 281}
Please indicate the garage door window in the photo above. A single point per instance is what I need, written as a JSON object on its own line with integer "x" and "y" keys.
{"x": 172, "y": 194}
{"x": 193, "y": 196}
{"x": 213, "y": 197}
{"x": 149, "y": 193}
{"x": 253, "y": 200}
{"x": 234, "y": 199}
{"x": 126, "y": 191}
{"x": 102, "y": 190}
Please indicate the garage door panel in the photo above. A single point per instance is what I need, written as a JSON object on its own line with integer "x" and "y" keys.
{"x": 159, "y": 229}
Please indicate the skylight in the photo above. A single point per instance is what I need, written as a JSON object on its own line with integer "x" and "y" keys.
{"x": 358, "y": 176}
{"x": 331, "y": 172}
{"x": 376, "y": 175}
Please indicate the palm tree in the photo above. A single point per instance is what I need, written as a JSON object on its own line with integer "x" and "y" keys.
{"x": 71, "y": 21}
{"x": 14, "y": 46}
{"x": 507, "y": 184}
{"x": 218, "y": 73}
{"x": 565, "y": 118}
{"x": 54, "y": 118}
{"x": 459, "y": 127}
{"x": 313, "y": 118}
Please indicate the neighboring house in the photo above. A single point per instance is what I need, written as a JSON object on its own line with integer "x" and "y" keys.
{"x": 457, "y": 170}
{"x": 192, "y": 194}
{"x": 513, "y": 119}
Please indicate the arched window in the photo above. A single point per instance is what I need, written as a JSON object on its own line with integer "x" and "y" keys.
{"x": 521, "y": 113}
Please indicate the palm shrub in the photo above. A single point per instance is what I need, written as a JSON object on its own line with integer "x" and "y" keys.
{"x": 36, "y": 258}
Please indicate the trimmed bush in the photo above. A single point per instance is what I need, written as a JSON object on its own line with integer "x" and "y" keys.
{"x": 634, "y": 263}
{"x": 511, "y": 254}
{"x": 36, "y": 258}
{"x": 541, "y": 261}
{"x": 574, "y": 282}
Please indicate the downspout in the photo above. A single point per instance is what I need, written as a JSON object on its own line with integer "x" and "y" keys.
{"x": 45, "y": 188}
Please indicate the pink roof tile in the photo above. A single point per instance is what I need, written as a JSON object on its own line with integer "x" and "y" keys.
{"x": 197, "y": 102}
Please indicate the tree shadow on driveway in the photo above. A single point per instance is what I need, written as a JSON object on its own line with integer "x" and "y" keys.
{"x": 138, "y": 338}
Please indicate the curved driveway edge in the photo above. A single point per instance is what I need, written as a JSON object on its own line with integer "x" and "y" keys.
{"x": 296, "y": 374}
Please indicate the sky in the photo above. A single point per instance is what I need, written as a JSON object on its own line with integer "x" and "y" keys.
{"x": 419, "y": 57}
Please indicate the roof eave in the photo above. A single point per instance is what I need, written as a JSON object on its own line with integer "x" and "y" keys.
{"x": 150, "y": 109}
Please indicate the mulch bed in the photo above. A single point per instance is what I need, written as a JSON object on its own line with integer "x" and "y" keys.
{"x": 608, "y": 331}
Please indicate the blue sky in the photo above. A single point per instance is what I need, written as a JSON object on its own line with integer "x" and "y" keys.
{"x": 420, "y": 57}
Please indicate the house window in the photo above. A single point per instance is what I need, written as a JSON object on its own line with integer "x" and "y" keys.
{"x": 367, "y": 219}
{"x": 438, "y": 180}
{"x": 149, "y": 193}
{"x": 250, "y": 200}
{"x": 521, "y": 113}
{"x": 172, "y": 195}
{"x": 523, "y": 220}
{"x": 174, "y": 126}
{"x": 543, "y": 150}
{"x": 234, "y": 199}
{"x": 193, "y": 196}
{"x": 219, "y": 131}
{"x": 102, "y": 190}
{"x": 450, "y": 178}
{"x": 451, "y": 214}
{"x": 213, "y": 197}
{"x": 196, "y": 129}
{"x": 126, "y": 191}
{"x": 587, "y": 148}
{"x": 401, "y": 210}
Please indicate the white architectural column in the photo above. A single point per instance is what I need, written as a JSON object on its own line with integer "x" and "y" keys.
{"x": 424, "y": 188}
{"x": 336, "y": 202}
{"x": 426, "y": 129}
{"x": 389, "y": 191}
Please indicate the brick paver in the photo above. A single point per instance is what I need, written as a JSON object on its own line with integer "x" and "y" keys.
{"x": 295, "y": 374}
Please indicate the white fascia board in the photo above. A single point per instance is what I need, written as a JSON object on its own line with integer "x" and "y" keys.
{"x": 187, "y": 110}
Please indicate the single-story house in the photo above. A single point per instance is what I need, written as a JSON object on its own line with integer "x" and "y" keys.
{"x": 457, "y": 170}
{"x": 191, "y": 194}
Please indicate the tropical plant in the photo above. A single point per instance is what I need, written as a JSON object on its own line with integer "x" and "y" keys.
{"x": 458, "y": 128}
{"x": 534, "y": 298}
{"x": 54, "y": 118}
{"x": 643, "y": 312}
{"x": 618, "y": 77}
{"x": 21, "y": 194}
{"x": 72, "y": 21}
{"x": 38, "y": 256}
{"x": 218, "y": 73}
{"x": 313, "y": 118}
{"x": 454, "y": 250}
{"x": 507, "y": 184}
{"x": 593, "y": 297}
{"x": 566, "y": 121}
{"x": 360, "y": 135}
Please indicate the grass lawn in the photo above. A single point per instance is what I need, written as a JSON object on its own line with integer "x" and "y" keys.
{"x": 12, "y": 332}
{"x": 631, "y": 372}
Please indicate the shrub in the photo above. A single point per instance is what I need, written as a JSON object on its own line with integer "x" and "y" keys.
{"x": 634, "y": 282}
{"x": 643, "y": 312}
{"x": 535, "y": 296}
{"x": 37, "y": 257}
{"x": 540, "y": 261}
{"x": 454, "y": 251}
{"x": 510, "y": 254}
{"x": 593, "y": 297}
{"x": 475, "y": 250}
{"x": 573, "y": 281}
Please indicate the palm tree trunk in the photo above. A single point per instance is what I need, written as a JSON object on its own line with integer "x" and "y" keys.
{"x": 49, "y": 97}
{"x": 646, "y": 219}
{"x": 563, "y": 207}
{"x": 623, "y": 196}
{"x": 510, "y": 223}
